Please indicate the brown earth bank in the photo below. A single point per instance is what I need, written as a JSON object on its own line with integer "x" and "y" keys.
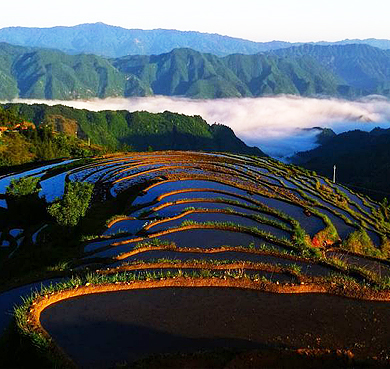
{"x": 115, "y": 328}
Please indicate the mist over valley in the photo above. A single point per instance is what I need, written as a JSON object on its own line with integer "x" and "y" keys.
{"x": 278, "y": 125}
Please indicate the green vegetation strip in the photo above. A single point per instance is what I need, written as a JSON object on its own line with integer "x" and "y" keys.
{"x": 228, "y": 266}
{"x": 188, "y": 211}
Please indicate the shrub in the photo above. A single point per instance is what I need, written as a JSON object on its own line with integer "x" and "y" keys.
{"x": 72, "y": 207}
{"x": 23, "y": 187}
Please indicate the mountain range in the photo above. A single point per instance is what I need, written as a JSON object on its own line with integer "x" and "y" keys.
{"x": 110, "y": 41}
{"x": 308, "y": 70}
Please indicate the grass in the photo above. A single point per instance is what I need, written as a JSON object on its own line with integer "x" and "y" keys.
{"x": 257, "y": 217}
{"x": 153, "y": 243}
{"x": 43, "y": 344}
{"x": 209, "y": 264}
{"x": 343, "y": 280}
{"x": 296, "y": 269}
{"x": 368, "y": 275}
{"x": 328, "y": 234}
{"x": 120, "y": 233}
{"x": 59, "y": 267}
{"x": 237, "y": 227}
{"x": 21, "y": 311}
{"x": 40, "y": 341}
{"x": 115, "y": 217}
{"x": 339, "y": 199}
{"x": 89, "y": 237}
{"x": 360, "y": 243}
{"x": 338, "y": 263}
{"x": 383, "y": 284}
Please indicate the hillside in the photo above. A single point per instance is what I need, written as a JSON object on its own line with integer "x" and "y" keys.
{"x": 50, "y": 74}
{"x": 365, "y": 70}
{"x": 362, "y": 160}
{"x": 172, "y": 259}
{"x": 343, "y": 71}
{"x": 138, "y": 131}
{"x": 110, "y": 41}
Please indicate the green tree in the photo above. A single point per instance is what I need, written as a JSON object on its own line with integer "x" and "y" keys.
{"x": 9, "y": 116}
{"x": 74, "y": 204}
{"x": 23, "y": 187}
{"x": 15, "y": 149}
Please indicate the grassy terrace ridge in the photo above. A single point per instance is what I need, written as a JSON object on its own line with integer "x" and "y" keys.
{"x": 229, "y": 226}
{"x": 333, "y": 263}
{"x": 189, "y": 211}
{"x": 298, "y": 232}
{"x": 203, "y": 265}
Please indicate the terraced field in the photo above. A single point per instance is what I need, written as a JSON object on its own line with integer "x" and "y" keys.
{"x": 219, "y": 252}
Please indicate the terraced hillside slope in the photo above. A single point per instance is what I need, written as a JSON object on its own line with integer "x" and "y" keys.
{"x": 362, "y": 160}
{"x": 217, "y": 260}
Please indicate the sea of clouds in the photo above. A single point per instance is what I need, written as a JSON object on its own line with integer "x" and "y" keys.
{"x": 274, "y": 124}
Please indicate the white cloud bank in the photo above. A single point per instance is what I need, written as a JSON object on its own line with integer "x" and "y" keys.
{"x": 272, "y": 123}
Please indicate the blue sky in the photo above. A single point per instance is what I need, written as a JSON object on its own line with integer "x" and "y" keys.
{"x": 258, "y": 20}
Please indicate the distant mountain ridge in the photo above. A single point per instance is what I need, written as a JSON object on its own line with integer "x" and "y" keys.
{"x": 111, "y": 41}
{"x": 362, "y": 159}
{"x": 363, "y": 68}
{"x": 346, "y": 71}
